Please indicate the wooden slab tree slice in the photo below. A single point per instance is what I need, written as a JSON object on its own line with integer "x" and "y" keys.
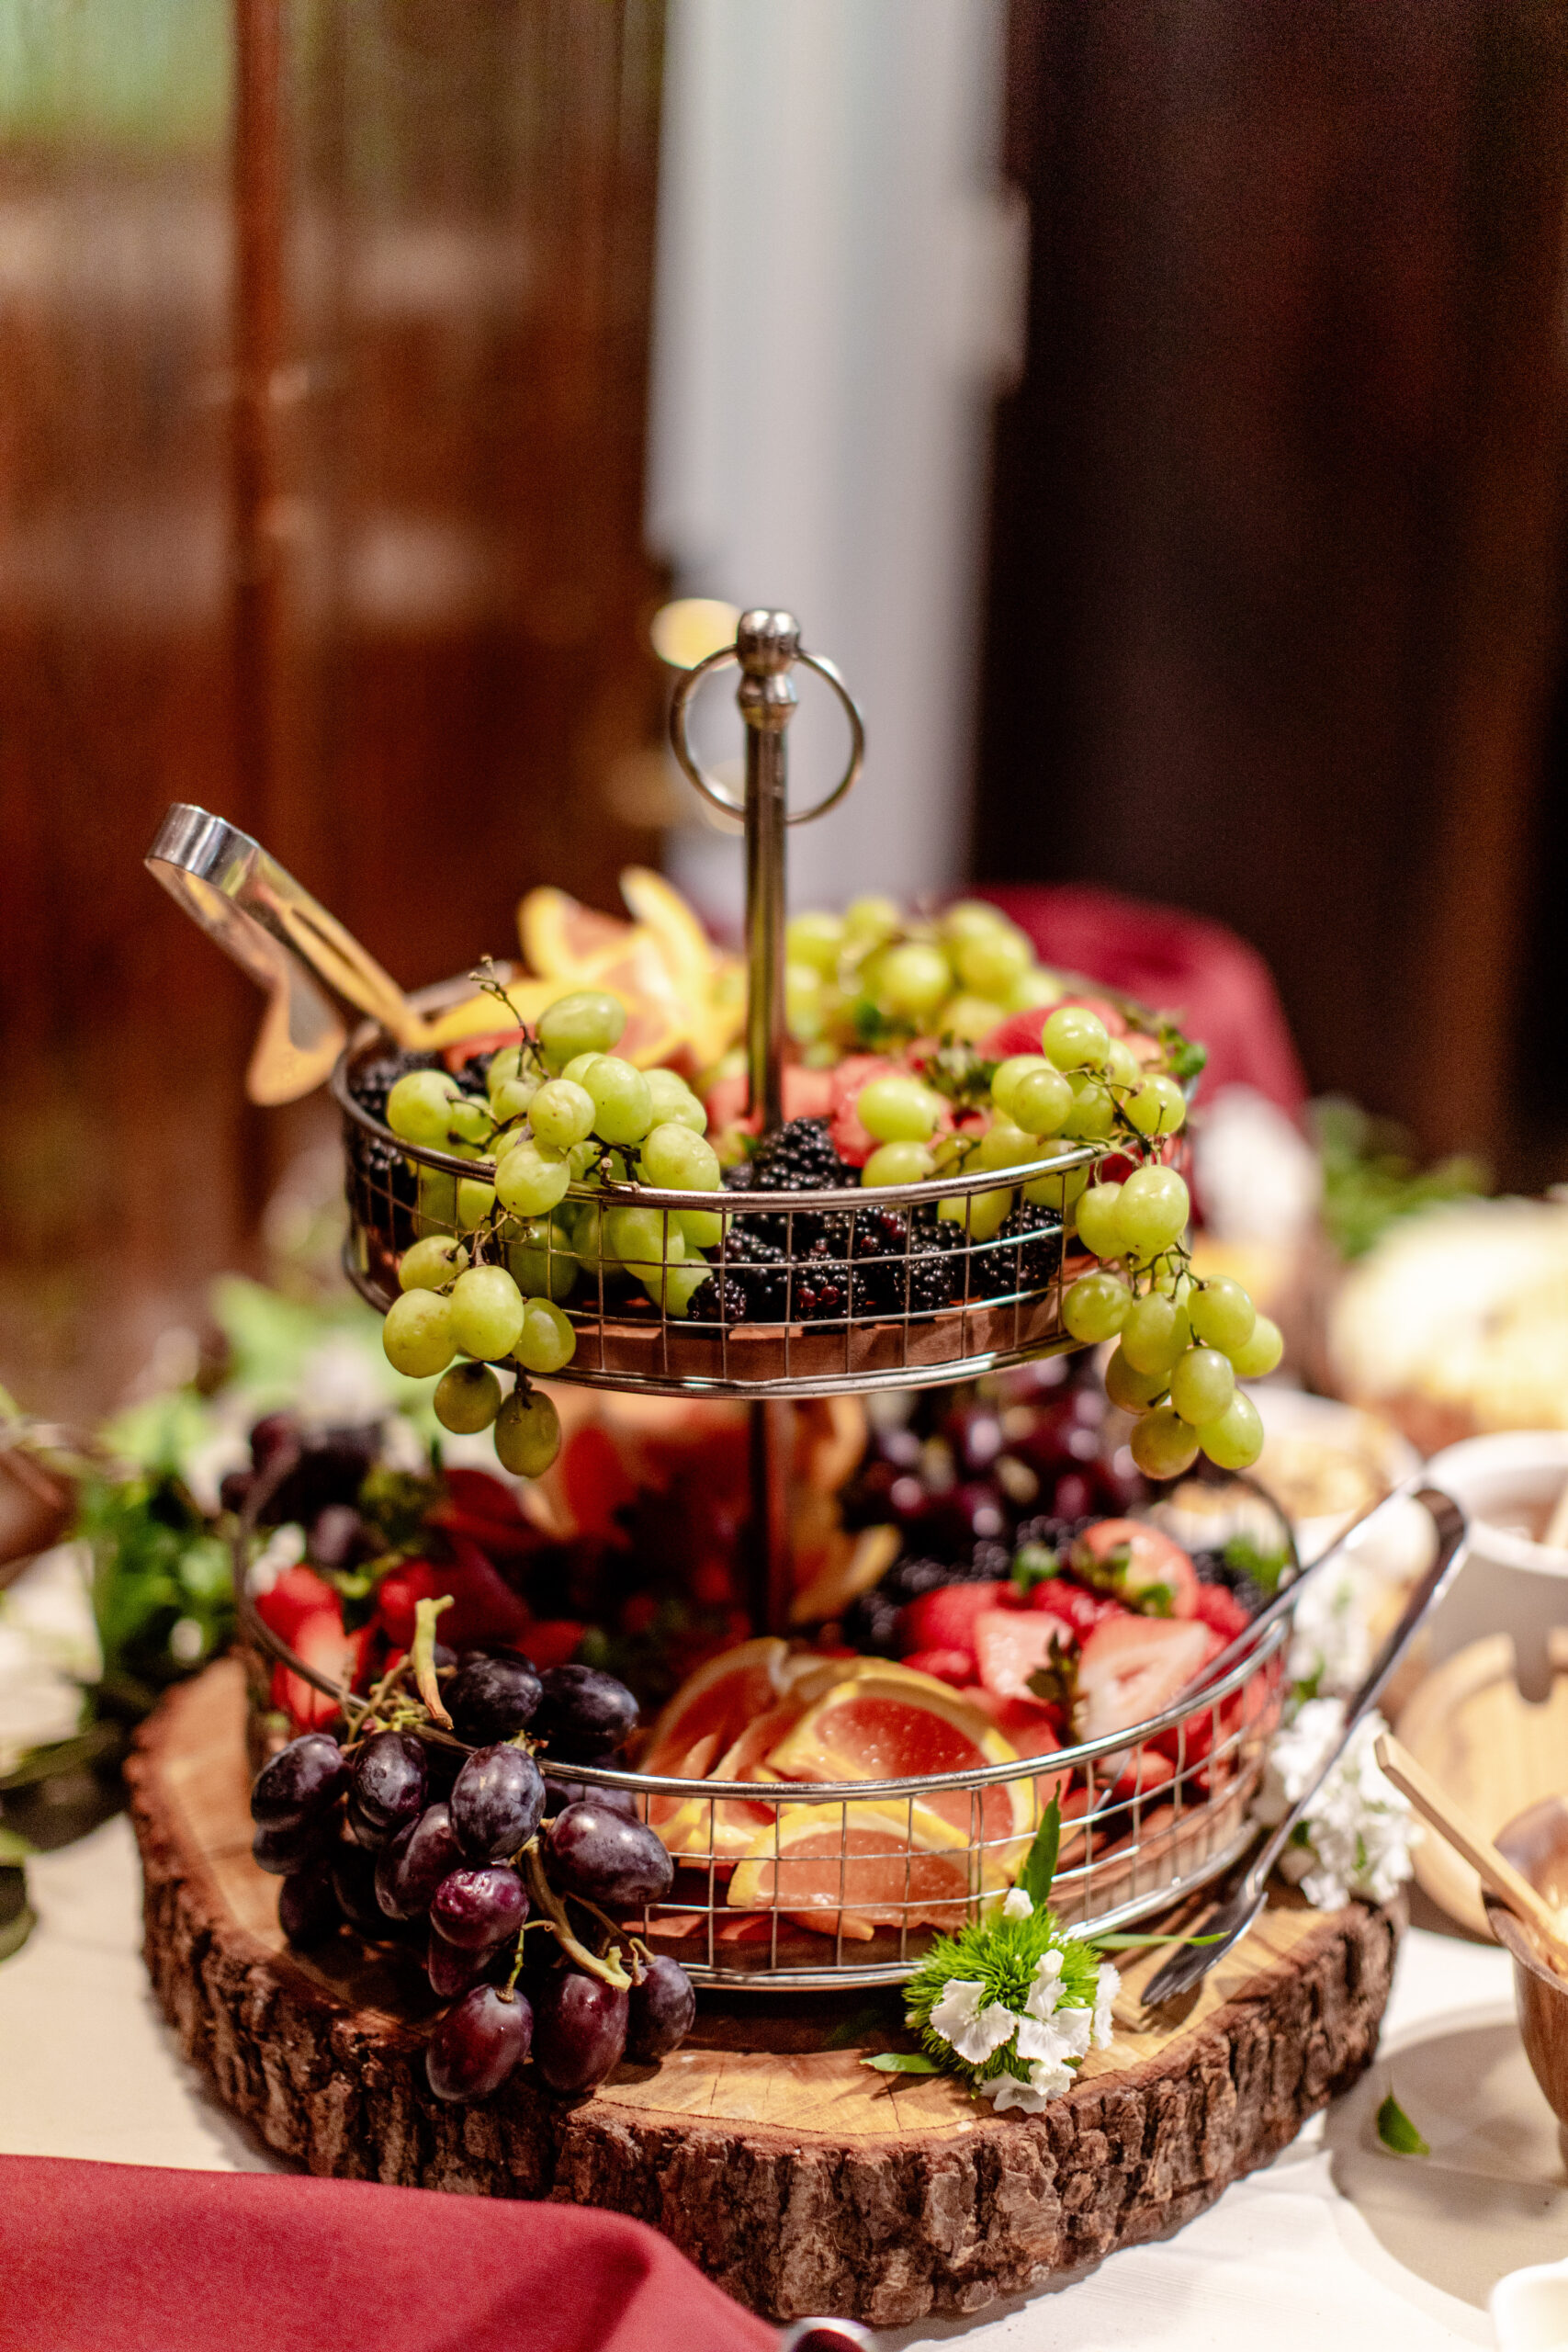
{"x": 797, "y": 2179}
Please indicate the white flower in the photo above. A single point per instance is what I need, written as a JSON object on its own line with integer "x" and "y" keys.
{"x": 1331, "y": 1643}
{"x": 1046, "y": 1990}
{"x": 1056, "y": 2039}
{"x": 1018, "y": 1905}
{"x": 1006, "y": 2090}
{"x": 1107, "y": 1984}
{"x": 976, "y": 2033}
{"x": 1358, "y": 1827}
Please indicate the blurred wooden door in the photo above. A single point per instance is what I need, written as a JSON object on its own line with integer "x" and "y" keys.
{"x": 323, "y": 352}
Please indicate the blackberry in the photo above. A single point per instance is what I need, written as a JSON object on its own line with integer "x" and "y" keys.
{"x": 800, "y": 1158}
{"x": 472, "y": 1076}
{"x": 870, "y": 1623}
{"x": 902, "y": 1265}
{"x": 383, "y": 1190}
{"x": 753, "y": 1285}
{"x": 1024, "y": 1256}
{"x": 1056, "y": 1534}
{"x": 822, "y": 1285}
{"x": 721, "y": 1299}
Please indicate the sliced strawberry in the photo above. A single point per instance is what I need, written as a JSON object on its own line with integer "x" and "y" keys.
{"x": 1014, "y": 1644}
{"x": 297, "y": 1594}
{"x": 553, "y": 1641}
{"x": 1219, "y": 1608}
{"x": 594, "y": 1481}
{"x": 956, "y": 1667}
{"x": 321, "y": 1641}
{"x": 484, "y": 1607}
{"x": 1155, "y": 1566}
{"x": 1132, "y": 1666}
{"x": 944, "y": 1619}
{"x": 1074, "y": 1607}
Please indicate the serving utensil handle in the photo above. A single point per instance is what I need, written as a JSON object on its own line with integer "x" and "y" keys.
{"x": 1494, "y": 1870}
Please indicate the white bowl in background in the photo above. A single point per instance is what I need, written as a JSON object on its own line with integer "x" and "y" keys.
{"x": 1529, "y": 2308}
{"x": 1360, "y": 1455}
{"x": 1508, "y": 1584}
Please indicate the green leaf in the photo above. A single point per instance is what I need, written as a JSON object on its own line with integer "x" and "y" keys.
{"x": 1033, "y": 1564}
{"x": 1148, "y": 1943}
{"x": 13, "y": 1849}
{"x": 96, "y": 1745}
{"x": 902, "y": 2062}
{"x": 1396, "y": 2131}
{"x": 1038, "y": 1871}
{"x": 848, "y": 2030}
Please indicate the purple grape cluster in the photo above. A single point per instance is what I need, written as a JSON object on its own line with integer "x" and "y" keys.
{"x": 363, "y": 1840}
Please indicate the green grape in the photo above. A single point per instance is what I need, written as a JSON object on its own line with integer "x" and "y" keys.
{"x": 475, "y": 1201}
{"x": 487, "y": 1312}
{"x": 969, "y": 1016}
{"x": 1154, "y": 1334}
{"x": 470, "y": 1120}
{"x": 897, "y": 1110}
{"x": 1157, "y": 1107}
{"x": 431, "y": 1264}
{"x": 1096, "y": 1307}
{"x": 1034, "y": 986}
{"x": 672, "y": 1290}
{"x": 435, "y": 1208}
{"x": 985, "y": 1212}
{"x": 541, "y": 1258}
{"x": 638, "y": 1238}
{"x": 417, "y": 1336}
{"x": 623, "y": 1107}
{"x": 898, "y": 1163}
{"x": 1133, "y": 1391}
{"x": 1058, "y": 1191}
{"x": 971, "y": 919}
{"x": 507, "y": 1067}
{"x": 511, "y": 1099}
{"x": 561, "y": 1114}
{"x": 587, "y": 1163}
{"x": 420, "y": 1106}
{"x": 1075, "y": 1038}
{"x": 1040, "y": 1101}
{"x": 1163, "y": 1446}
{"x": 803, "y": 1002}
{"x": 673, "y": 1158}
{"x": 1234, "y": 1439}
{"x": 1092, "y": 1116}
{"x": 467, "y": 1398}
{"x": 531, "y": 1179}
{"x": 912, "y": 978}
{"x": 1153, "y": 1210}
{"x": 1004, "y": 1146}
{"x": 990, "y": 963}
{"x": 672, "y": 1099}
{"x": 1221, "y": 1314}
{"x": 1201, "y": 1385}
{"x": 816, "y": 941}
{"x": 1260, "y": 1353}
{"x": 1096, "y": 1220}
{"x": 590, "y": 1241}
{"x": 700, "y": 1228}
{"x": 1007, "y": 1075}
{"x": 586, "y": 1021}
{"x": 578, "y": 1066}
{"x": 1122, "y": 1064}
{"x": 527, "y": 1432}
{"x": 546, "y": 1340}
{"x": 870, "y": 919}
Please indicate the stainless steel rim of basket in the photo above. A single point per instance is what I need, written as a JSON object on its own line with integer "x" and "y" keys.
{"x": 1123, "y": 1859}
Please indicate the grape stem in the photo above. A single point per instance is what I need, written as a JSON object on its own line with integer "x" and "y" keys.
{"x": 422, "y": 1656}
{"x": 608, "y": 1970}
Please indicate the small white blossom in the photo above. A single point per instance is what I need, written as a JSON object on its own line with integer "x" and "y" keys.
{"x": 976, "y": 2033}
{"x": 1046, "y": 1990}
{"x": 1018, "y": 1905}
{"x": 1360, "y": 1828}
{"x": 1055, "y": 2040}
{"x": 1006, "y": 2090}
{"x": 1331, "y": 1643}
{"x": 1107, "y": 1985}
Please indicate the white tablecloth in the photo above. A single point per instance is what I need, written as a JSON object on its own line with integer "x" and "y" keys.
{"x": 1338, "y": 2245}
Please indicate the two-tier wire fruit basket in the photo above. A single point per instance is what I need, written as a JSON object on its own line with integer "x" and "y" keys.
{"x": 837, "y": 1883}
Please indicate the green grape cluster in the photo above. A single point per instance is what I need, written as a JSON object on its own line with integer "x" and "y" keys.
{"x": 500, "y": 1253}
{"x": 877, "y": 971}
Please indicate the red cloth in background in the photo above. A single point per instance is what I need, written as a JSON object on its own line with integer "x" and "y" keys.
{"x": 99, "y": 2257}
{"x": 1218, "y": 987}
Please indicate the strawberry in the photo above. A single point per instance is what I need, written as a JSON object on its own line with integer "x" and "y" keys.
{"x": 1014, "y": 1644}
{"x": 1155, "y": 1573}
{"x": 321, "y": 1641}
{"x": 944, "y": 1619}
{"x": 956, "y": 1667}
{"x": 1219, "y": 1608}
{"x": 1082, "y": 1611}
{"x": 294, "y": 1596}
{"x": 1132, "y": 1666}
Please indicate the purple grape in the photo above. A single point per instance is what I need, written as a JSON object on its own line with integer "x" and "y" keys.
{"x": 477, "y": 1909}
{"x": 387, "y": 1786}
{"x": 283, "y": 1851}
{"x": 302, "y": 1779}
{"x": 409, "y": 1871}
{"x": 559, "y": 1794}
{"x": 478, "y": 2044}
{"x": 452, "y": 1971}
{"x": 492, "y": 1698}
{"x": 340, "y": 1538}
{"x": 583, "y": 1713}
{"x": 354, "y": 1884}
{"x": 273, "y": 1431}
{"x": 233, "y": 1488}
{"x": 307, "y": 1907}
{"x": 579, "y": 2030}
{"x": 662, "y": 2010}
{"x": 497, "y": 1802}
{"x": 606, "y": 1859}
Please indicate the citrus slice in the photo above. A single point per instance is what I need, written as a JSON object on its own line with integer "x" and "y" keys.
{"x": 480, "y": 1017}
{"x": 849, "y": 1869}
{"x": 688, "y": 953}
{"x": 893, "y": 1726}
{"x": 722, "y": 1697}
{"x": 561, "y": 937}
{"x": 728, "y": 1827}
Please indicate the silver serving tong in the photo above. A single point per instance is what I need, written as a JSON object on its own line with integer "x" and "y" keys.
{"x": 286, "y": 940}
{"x": 1231, "y": 1917}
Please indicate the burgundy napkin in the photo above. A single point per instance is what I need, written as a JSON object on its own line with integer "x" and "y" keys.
{"x": 1220, "y": 987}
{"x": 126, "y": 2259}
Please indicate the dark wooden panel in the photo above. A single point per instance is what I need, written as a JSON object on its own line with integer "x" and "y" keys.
{"x": 1273, "y": 547}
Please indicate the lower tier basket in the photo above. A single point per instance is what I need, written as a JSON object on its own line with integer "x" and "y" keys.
{"x": 797, "y": 2179}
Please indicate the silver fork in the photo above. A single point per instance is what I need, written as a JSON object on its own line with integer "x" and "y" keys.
{"x": 1231, "y": 1918}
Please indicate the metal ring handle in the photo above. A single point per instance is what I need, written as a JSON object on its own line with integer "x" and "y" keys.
{"x": 706, "y": 783}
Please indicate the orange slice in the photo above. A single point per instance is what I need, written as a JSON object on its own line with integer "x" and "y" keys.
{"x": 852, "y": 1868}
{"x": 893, "y": 1726}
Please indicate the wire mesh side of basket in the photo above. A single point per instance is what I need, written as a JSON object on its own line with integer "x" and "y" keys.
{"x": 806, "y": 1290}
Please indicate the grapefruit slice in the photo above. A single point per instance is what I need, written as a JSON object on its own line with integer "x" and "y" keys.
{"x": 882, "y": 1725}
{"x": 852, "y": 1868}
{"x": 688, "y": 953}
{"x": 561, "y": 937}
{"x": 473, "y": 1021}
{"x": 721, "y": 1697}
{"x": 1131, "y": 1667}
{"x": 728, "y": 1827}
